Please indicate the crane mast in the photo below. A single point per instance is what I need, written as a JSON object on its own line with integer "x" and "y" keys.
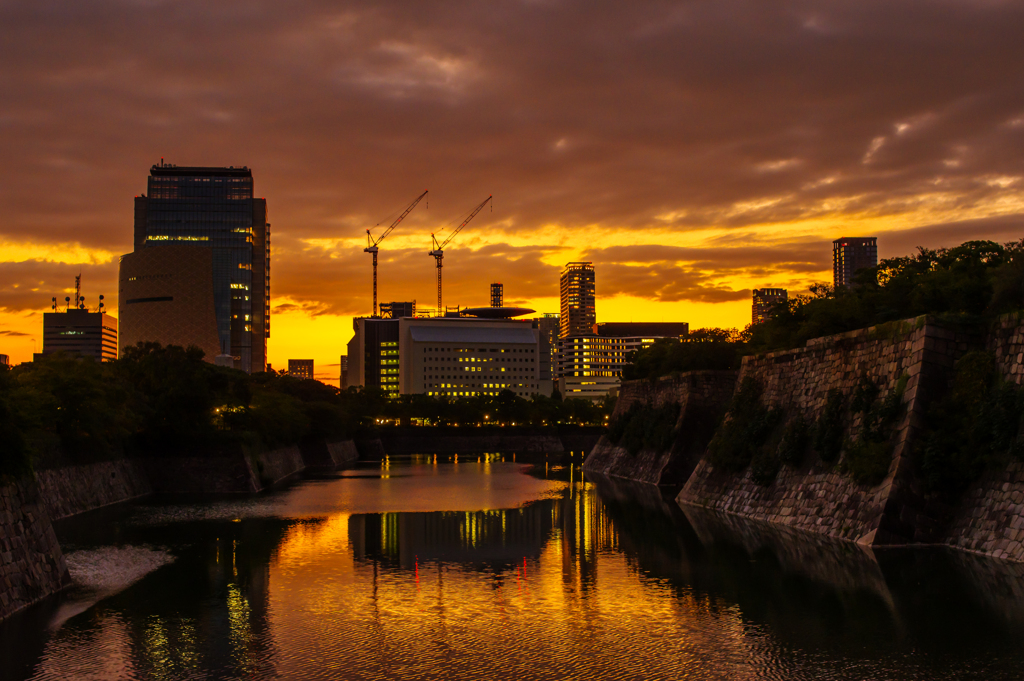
{"x": 371, "y": 244}
{"x": 438, "y": 251}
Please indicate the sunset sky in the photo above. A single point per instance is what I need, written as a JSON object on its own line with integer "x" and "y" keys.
{"x": 691, "y": 150}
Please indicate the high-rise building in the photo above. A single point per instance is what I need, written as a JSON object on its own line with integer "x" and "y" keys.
{"x": 548, "y": 327}
{"x": 765, "y": 300}
{"x": 5, "y": 362}
{"x": 213, "y": 209}
{"x": 497, "y": 295}
{"x": 300, "y": 368}
{"x": 850, "y": 254}
{"x": 80, "y": 332}
{"x": 343, "y": 372}
{"x": 577, "y": 289}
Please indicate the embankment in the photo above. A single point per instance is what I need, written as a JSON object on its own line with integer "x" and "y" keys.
{"x": 701, "y": 397}
{"x": 815, "y": 390}
{"x": 32, "y": 565}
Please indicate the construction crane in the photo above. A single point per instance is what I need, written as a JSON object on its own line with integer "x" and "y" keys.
{"x": 371, "y": 244}
{"x": 438, "y": 251}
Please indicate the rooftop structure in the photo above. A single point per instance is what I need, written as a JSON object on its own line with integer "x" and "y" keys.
{"x": 396, "y": 310}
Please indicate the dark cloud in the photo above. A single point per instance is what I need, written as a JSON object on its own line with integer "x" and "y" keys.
{"x": 572, "y": 113}
{"x": 8, "y": 332}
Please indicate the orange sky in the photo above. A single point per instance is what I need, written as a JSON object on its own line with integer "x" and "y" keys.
{"x": 692, "y": 151}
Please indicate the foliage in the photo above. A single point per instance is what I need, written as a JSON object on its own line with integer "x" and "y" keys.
{"x": 14, "y": 454}
{"x": 869, "y": 456}
{"x": 645, "y": 427}
{"x": 975, "y": 425}
{"x": 701, "y": 349}
{"x": 977, "y": 278}
{"x": 828, "y": 431}
{"x": 746, "y": 431}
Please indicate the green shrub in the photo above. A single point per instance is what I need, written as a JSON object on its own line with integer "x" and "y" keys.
{"x": 795, "y": 439}
{"x": 745, "y": 432}
{"x": 828, "y": 432}
{"x": 977, "y": 424}
{"x": 645, "y": 427}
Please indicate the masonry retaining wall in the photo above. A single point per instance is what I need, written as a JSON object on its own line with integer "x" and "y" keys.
{"x": 32, "y": 565}
{"x": 71, "y": 490}
{"x": 817, "y": 496}
{"x": 702, "y": 397}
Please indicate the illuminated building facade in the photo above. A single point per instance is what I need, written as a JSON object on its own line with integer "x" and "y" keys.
{"x": 80, "y": 332}
{"x": 215, "y": 209}
{"x": 765, "y": 300}
{"x": 445, "y": 356}
{"x": 850, "y": 254}
{"x": 577, "y": 289}
{"x": 590, "y": 367}
{"x": 300, "y": 368}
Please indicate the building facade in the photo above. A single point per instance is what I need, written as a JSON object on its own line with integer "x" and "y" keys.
{"x": 548, "y": 328}
{"x": 343, "y": 372}
{"x": 445, "y": 356}
{"x": 301, "y": 368}
{"x": 216, "y": 209}
{"x": 590, "y": 367}
{"x": 165, "y": 294}
{"x": 850, "y": 254}
{"x": 497, "y": 295}
{"x": 396, "y": 310}
{"x": 80, "y": 332}
{"x": 577, "y": 289}
{"x": 765, "y": 300}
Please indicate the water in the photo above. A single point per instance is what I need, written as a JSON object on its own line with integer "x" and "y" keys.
{"x": 424, "y": 569}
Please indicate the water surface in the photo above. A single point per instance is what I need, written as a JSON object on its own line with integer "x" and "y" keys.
{"x": 424, "y": 568}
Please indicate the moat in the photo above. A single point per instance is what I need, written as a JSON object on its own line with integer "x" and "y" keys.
{"x": 424, "y": 567}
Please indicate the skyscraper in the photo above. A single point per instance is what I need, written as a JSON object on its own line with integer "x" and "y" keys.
{"x": 850, "y": 254}
{"x": 577, "y": 288}
{"x": 765, "y": 299}
{"x": 210, "y": 208}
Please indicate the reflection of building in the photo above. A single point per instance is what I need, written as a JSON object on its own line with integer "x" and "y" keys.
{"x": 343, "y": 372}
{"x": 577, "y": 289}
{"x": 591, "y": 366}
{"x": 765, "y": 299}
{"x": 211, "y": 209}
{"x": 850, "y": 254}
{"x": 397, "y": 310}
{"x": 300, "y": 368}
{"x": 444, "y": 356}
{"x": 166, "y": 295}
{"x": 80, "y": 332}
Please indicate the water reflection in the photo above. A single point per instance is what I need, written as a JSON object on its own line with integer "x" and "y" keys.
{"x": 435, "y": 569}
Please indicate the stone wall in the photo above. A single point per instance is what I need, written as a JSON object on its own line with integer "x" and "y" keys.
{"x": 279, "y": 464}
{"x": 702, "y": 397}
{"x": 202, "y": 474}
{"x": 32, "y": 566}
{"x": 817, "y": 496}
{"x": 75, "y": 489}
{"x": 990, "y": 516}
{"x": 326, "y": 456}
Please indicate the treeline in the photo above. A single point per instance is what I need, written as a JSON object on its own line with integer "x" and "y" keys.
{"x": 168, "y": 400}
{"x": 973, "y": 283}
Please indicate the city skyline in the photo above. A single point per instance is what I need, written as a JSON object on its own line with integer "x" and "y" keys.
{"x": 687, "y": 175}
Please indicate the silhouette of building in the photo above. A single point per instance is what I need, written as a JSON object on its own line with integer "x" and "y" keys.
{"x": 577, "y": 289}
{"x": 80, "y": 332}
{"x": 765, "y": 300}
{"x": 397, "y": 310}
{"x": 343, "y": 372}
{"x": 5, "y": 362}
{"x": 212, "y": 209}
{"x": 548, "y": 328}
{"x": 851, "y": 254}
{"x": 300, "y": 368}
{"x": 640, "y": 329}
{"x": 497, "y": 295}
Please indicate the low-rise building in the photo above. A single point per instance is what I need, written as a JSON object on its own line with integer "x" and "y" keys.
{"x": 445, "y": 356}
{"x": 80, "y": 332}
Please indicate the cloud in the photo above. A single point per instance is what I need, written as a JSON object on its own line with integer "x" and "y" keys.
{"x": 8, "y": 332}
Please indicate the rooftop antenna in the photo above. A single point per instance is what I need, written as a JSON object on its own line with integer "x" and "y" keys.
{"x": 78, "y": 290}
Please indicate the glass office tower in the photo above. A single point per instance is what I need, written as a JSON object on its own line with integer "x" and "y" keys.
{"x": 215, "y": 208}
{"x": 577, "y": 289}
